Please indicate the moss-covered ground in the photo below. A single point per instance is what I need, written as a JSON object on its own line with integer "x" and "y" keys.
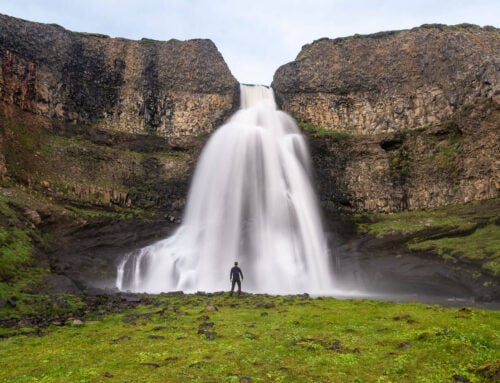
{"x": 468, "y": 233}
{"x": 259, "y": 338}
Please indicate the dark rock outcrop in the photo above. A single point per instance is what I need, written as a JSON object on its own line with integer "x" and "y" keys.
{"x": 417, "y": 112}
{"x": 170, "y": 88}
{"x": 390, "y": 81}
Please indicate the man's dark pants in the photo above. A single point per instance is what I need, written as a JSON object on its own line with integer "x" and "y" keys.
{"x": 239, "y": 286}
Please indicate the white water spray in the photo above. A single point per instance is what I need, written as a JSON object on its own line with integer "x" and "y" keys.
{"x": 251, "y": 201}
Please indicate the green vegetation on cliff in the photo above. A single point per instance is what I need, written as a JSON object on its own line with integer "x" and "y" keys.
{"x": 318, "y": 132}
{"x": 208, "y": 338}
{"x": 467, "y": 234}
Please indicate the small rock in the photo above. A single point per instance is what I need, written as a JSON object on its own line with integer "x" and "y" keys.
{"x": 404, "y": 345}
{"x": 77, "y": 322}
{"x": 460, "y": 378}
{"x": 107, "y": 375}
{"x": 264, "y": 314}
{"x": 211, "y": 308}
{"x": 335, "y": 346}
{"x": 123, "y": 337}
{"x": 131, "y": 299}
{"x": 32, "y": 215}
{"x": 156, "y": 337}
{"x": 171, "y": 359}
{"x": 245, "y": 379}
{"x": 210, "y": 334}
{"x": 269, "y": 305}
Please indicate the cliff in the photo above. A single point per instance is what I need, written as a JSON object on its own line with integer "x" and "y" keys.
{"x": 400, "y": 120}
{"x": 390, "y": 81}
{"x": 107, "y": 121}
{"x": 170, "y": 88}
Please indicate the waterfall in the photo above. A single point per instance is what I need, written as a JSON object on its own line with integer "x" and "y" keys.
{"x": 251, "y": 201}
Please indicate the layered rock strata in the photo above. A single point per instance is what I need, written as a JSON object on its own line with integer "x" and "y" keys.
{"x": 400, "y": 120}
{"x": 172, "y": 88}
{"x": 390, "y": 81}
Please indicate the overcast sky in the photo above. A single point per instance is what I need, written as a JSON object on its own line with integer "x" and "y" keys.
{"x": 254, "y": 36}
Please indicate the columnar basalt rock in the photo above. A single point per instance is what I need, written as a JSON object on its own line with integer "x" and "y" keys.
{"x": 172, "y": 88}
{"x": 390, "y": 81}
{"x": 421, "y": 108}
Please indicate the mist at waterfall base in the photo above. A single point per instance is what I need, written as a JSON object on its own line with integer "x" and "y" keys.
{"x": 251, "y": 200}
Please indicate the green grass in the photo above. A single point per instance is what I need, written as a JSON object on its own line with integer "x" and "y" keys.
{"x": 17, "y": 270}
{"x": 482, "y": 244}
{"x": 15, "y": 252}
{"x": 319, "y": 132}
{"x": 457, "y": 233}
{"x": 174, "y": 339}
{"x": 412, "y": 222}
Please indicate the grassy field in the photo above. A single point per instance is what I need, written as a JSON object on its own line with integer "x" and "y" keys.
{"x": 258, "y": 338}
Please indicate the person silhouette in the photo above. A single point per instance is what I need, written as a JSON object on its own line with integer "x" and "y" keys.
{"x": 234, "y": 277}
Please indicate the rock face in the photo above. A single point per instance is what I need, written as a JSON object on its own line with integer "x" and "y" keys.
{"x": 418, "y": 114}
{"x": 452, "y": 162}
{"x": 173, "y": 88}
{"x": 390, "y": 81}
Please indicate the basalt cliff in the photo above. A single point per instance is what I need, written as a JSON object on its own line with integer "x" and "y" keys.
{"x": 400, "y": 120}
{"x": 93, "y": 118}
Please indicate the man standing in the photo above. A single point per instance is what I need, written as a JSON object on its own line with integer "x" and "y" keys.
{"x": 234, "y": 277}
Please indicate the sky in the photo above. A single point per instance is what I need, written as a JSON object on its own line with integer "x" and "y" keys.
{"x": 255, "y": 37}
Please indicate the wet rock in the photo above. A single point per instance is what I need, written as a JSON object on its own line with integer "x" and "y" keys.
{"x": 131, "y": 299}
{"x": 58, "y": 283}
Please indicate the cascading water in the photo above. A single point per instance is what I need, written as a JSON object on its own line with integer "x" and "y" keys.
{"x": 251, "y": 201}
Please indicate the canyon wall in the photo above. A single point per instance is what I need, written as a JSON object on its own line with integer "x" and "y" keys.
{"x": 171, "y": 88}
{"x": 93, "y": 120}
{"x": 390, "y": 81}
{"x": 400, "y": 120}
